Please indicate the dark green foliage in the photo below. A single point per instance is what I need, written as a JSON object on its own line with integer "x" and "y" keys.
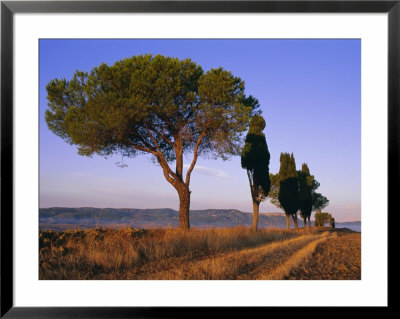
{"x": 319, "y": 202}
{"x": 255, "y": 159}
{"x": 287, "y": 169}
{"x": 119, "y": 108}
{"x": 322, "y": 218}
{"x": 288, "y": 184}
{"x": 274, "y": 191}
{"x": 288, "y": 166}
{"x": 305, "y": 169}
{"x": 305, "y": 191}
{"x": 309, "y": 199}
{"x": 288, "y": 195}
{"x": 307, "y": 183}
{"x": 156, "y": 105}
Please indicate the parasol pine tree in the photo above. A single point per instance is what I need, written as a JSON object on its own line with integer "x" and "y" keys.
{"x": 255, "y": 159}
{"x": 154, "y": 105}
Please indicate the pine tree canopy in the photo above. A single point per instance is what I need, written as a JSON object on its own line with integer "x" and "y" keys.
{"x": 151, "y": 104}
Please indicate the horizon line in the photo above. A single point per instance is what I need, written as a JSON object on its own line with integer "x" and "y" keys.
{"x": 281, "y": 213}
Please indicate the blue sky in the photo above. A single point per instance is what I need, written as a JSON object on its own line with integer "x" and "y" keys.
{"x": 310, "y": 95}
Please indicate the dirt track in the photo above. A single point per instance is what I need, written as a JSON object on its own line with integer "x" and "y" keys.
{"x": 227, "y": 254}
{"x": 310, "y": 256}
{"x": 338, "y": 258}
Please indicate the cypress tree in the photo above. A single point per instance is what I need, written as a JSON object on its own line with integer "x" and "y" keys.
{"x": 255, "y": 159}
{"x": 305, "y": 169}
{"x": 305, "y": 193}
{"x": 288, "y": 188}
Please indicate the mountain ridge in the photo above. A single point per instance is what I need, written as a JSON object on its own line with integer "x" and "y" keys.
{"x": 61, "y": 218}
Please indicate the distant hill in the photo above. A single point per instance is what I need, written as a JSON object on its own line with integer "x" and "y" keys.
{"x": 356, "y": 226}
{"x": 59, "y": 218}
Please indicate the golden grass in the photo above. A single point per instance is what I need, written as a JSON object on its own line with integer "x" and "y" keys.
{"x": 121, "y": 254}
{"x": 284, "y": 269}
{"x": 244, "y": 264}
{"x": 213, "y": 254}
{"x": 338, "y": 258}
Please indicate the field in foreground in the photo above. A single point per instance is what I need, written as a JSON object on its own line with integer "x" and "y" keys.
{"x": 214, "y": 254}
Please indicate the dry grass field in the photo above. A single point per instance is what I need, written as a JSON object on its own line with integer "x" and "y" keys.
{"x": 337, "y": 258}
{"x": 213, "y": 254}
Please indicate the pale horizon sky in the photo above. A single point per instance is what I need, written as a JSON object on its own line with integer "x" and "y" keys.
{"x": 310, "y": 96}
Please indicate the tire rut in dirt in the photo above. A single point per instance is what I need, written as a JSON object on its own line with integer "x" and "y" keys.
{"x": 243, "y": 264}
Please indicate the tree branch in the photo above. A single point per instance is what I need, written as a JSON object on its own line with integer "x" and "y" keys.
{"x": 195, "y": 156}
{"x": 147, "y": 147}
{"x": 154, "y": 140}
{"x": 168, "y": 173}
{"x": 163, "y": 137}
{"x": 144, "y": 149}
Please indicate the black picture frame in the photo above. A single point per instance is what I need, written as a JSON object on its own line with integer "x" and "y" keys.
{"x": 9, "y": 8}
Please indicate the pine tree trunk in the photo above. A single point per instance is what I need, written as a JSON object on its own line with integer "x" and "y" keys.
{"x": 309, "y": 222}
{"x": 296, "y": 224}
{"x": 287, "y": 222}
{"x": 305, "y": 222}
{"x": 256, "y": 206}
{"x": 184, "y": 205}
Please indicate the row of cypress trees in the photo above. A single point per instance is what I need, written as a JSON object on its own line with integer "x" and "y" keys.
{"x": 290, "y": 190}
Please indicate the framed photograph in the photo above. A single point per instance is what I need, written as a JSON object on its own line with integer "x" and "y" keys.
{"x": 158, "y": 156}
